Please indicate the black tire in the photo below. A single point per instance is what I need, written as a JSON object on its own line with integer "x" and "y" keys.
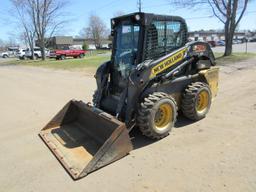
{"x": 150, "y": 108}
{"x": 36, "y": 56}
{"x": 5, "y": 56}
{"x": 81, "y": 56}
{"x": 62, "y": 57}
{"x": 191, "y": 101}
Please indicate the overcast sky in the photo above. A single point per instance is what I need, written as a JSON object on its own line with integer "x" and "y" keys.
{"x": 79, "y": 11}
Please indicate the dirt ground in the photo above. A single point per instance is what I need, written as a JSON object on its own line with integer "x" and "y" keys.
{"x": 215, "y": 154}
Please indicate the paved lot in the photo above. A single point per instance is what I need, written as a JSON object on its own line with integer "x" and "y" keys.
{"x": 215, "y": 154}
{"x": 251, "y": 47}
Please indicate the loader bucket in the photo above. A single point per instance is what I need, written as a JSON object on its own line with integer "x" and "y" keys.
{"x": 85, "y": 139}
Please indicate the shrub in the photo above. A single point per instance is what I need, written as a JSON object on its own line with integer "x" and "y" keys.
{"x": 85, "y": 46}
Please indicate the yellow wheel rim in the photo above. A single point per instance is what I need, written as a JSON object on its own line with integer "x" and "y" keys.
{"x": 163, "y": 116}
{"x": 202, "y": 101}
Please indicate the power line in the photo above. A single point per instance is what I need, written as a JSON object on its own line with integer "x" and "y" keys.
{"x": 157, "y": 5}
{"x": 192, "y": 18}
{"x": 139, "y": 5}
{"x": 210, "y": 16}
{"x": 251, "y": 12}
{"x": 107, "y": 5}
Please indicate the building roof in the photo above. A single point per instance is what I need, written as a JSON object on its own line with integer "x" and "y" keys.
{"x": 91, "y": 41}
{"x": 64, "y": 40}
{"x": 213, "y": 32}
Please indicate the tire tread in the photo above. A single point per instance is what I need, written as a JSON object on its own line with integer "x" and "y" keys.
{"x": 144, "y": 114}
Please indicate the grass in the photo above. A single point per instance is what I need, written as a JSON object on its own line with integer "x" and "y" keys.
{"x": 235, "y": 57}
{"x": 92, "y": 61}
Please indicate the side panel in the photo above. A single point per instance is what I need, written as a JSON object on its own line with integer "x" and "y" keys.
{"x": 167, "y": 63}
{"x": 202, "y": 51}
{"x": 212, "y": 77}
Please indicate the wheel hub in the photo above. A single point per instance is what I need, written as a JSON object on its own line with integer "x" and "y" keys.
{"x": 163, "y": 116}
{"x": 202, "y": 101}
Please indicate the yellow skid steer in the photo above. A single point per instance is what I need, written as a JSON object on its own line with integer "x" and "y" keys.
{"x": 153, "y": 72}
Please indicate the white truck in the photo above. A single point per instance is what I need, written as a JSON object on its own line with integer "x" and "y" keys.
{"x": 37, "y": 53}
{"x": 21, "y": 53}
{"x": 10, "y": 52}
{"x": 5, "y": 54}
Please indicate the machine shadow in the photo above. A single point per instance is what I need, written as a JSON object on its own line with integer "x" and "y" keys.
{"x": 139, "y": 140}
{"x": 182, "y": 121}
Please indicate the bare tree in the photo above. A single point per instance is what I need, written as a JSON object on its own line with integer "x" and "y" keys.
{"x": 2, "y": 45}
{"x": 96, "y": 30}
{"x": 22, "y": 18}
{"x": 46, "y": 17}
{"x": 229, "y": 12}
{"x": 1, "y": 42}
{"x": 12, "y": 41}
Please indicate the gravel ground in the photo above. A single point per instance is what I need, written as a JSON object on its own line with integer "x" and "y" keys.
{"x": 214, "y": 154}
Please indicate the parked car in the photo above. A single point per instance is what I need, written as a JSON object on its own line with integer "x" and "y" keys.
{"x": 62, "y": 54}
{"x": 21, "y": 53}
{"x": 5, "y": 54}
{"x": 37, "y": 53}
{"x": 212, "y": 43}
{"x": 237, "y": 41}
{"x": 10, "y": 52}
{"x": 253, "y": 40}
{"x": 220, "y": 43}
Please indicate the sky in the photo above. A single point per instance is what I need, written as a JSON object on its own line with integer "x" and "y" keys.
{"x": 78, "y": 12}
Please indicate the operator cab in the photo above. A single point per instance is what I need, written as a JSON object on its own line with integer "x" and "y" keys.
{"x": 140, "y": 36}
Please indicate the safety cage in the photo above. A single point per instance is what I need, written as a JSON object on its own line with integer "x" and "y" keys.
{"x": 158, "y": 34}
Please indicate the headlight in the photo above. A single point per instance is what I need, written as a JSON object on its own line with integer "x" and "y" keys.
{"x": 137, "y": 17}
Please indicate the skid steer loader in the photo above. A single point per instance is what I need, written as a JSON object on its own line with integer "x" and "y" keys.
{"x": 153, "y": 72}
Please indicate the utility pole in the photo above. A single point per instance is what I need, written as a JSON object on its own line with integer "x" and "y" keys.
{"x": 139, "y": 5}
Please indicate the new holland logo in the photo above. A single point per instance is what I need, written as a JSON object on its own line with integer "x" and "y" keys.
{"x": 170, "y": 61}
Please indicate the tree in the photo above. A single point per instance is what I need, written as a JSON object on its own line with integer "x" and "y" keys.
{"x": 85, "y": 46}
{"x": 229, "y": 12}
{"x": 46, "y": 17}
{"x": 11, "y": 42}
{"x": 96, "y": 30}
{"x": 2, "y": 45}
{"x": 22, "y": 18}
